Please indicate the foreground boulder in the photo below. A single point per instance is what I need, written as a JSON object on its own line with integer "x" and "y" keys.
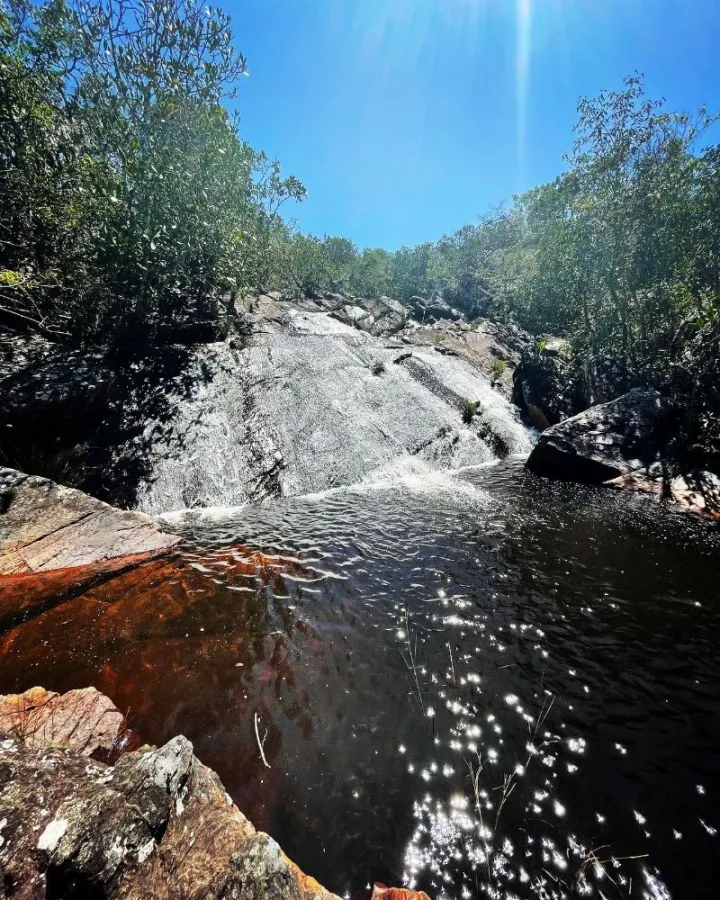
{"x": 44, "y": 526}
{"x": 158, "y": 824}
{"x": 614, "y": 439}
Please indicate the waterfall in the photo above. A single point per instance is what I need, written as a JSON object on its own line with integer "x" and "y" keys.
{"x": 321, "y": 406}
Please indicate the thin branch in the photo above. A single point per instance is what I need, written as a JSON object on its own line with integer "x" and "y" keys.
{"x": 261, "y": 743}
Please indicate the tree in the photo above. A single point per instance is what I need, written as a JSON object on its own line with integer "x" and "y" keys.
{"x": 118, "y": 149}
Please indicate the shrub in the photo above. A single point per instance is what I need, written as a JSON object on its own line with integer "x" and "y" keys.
{"x": 470, "y": 409}
{"x": 129, "y": 202}
{"x": 498, "y": 368}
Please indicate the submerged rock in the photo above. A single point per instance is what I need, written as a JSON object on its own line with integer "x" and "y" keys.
{"x": 606, "y": 441}
{"x": 382, "y": 892}
{"x": 44, "y": 527}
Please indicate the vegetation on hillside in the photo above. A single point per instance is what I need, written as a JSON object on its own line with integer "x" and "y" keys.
{"x": 129, "y": 201}
{"x": 131, "y": 206}
{"x": 621, "y": 253}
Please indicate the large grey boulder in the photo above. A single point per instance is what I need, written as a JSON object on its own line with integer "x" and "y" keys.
{"x": 606, "y": 441}
{"x": 434, "y": 308}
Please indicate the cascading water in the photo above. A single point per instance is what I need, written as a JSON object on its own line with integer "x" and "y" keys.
{"x": 315, "y": 407}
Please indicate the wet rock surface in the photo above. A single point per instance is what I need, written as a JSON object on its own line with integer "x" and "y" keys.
{"x": 311, "y": 394}
{"x": 44, "y": 527}
{"x": 158, "y": 824}
{"x": 319, "y": 405}
{"x": 627, "y": 435}
{"x": 494, "y": 350}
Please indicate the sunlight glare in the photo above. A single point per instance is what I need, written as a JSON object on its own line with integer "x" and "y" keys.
{"x": 522, "y": 70}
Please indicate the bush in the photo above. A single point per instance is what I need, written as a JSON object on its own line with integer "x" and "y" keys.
{"x": 498, "y": 368}
{"x": 471, "y": 408}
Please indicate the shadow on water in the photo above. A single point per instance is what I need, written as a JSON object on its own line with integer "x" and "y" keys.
{"x": 484, "y": 685}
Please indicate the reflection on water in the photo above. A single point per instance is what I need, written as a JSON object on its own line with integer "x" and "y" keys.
{"x": 487, "y": 686}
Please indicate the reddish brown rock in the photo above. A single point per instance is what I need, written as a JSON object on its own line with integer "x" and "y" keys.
{"x": 45, "y": 527}
{"x": 84, "y": 721}
{"x": 381, "y": 892}
{"x": 696, "y": 491}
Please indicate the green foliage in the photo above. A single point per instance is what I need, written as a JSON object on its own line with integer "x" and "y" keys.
{"x": 621, "y": 254}
{"x": 132, "y": 207}
{"x": 130, "y": 202}
{"x": 470, "y": 409}
{"x": 499, "y": 367}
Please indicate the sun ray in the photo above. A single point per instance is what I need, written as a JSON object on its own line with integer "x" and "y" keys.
{"x": 523, "y": 49}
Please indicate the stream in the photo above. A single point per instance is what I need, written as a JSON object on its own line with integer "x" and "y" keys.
{"x": 477, "y": 683}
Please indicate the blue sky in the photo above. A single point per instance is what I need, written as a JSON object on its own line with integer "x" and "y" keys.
{"x": 406, "y": 119}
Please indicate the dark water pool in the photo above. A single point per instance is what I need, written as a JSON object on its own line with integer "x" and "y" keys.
{"x": 479, "y": 685}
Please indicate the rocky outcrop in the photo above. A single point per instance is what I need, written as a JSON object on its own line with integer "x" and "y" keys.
{"x": 44, "y": 527}
{"x": 614, "y": 439}
{"x": 544, "y": 385}
{"x": 433, "y": 309}
{"x": 374, "y": 315}
{"x": 156, "y": 825}
{"x": 490, "y": 348}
